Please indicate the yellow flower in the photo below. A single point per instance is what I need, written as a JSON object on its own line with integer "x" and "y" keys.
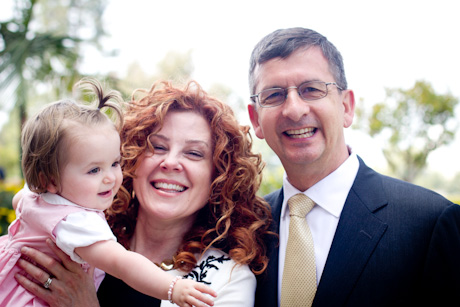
{"x": 3, "y": 211}
{"x": 11, "y": 216}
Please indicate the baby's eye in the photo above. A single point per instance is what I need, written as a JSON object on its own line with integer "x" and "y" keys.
{"x": 94, "y": 170}
{"x": 116, "y": 163}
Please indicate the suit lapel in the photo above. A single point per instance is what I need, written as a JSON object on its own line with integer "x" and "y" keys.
{"x": 356, "y": 237}
{"x": 267, "y": 284}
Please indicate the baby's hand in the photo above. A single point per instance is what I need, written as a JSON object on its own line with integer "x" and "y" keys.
{"x": 188, "y": 293}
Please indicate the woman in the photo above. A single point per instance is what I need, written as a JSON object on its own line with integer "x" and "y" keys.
{"x": 188, "y": 201}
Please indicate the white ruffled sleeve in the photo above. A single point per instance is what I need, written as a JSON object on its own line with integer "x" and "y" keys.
{"x": 79, "y": 230}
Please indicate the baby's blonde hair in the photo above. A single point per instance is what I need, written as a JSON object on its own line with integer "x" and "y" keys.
{"x": 44, "y": 134}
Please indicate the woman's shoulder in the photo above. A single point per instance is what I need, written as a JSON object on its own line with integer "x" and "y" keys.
{"x": 213, "y": 258}
{"x": 216, "y": 266}
{"x": 235, "y": 284}
{"x": 211, "y": 263}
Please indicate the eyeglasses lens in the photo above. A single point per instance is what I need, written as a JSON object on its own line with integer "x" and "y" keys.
{"x": 313, "y": 90}
{"x": 272, "y": 97}
{"x": 308, "y": 91}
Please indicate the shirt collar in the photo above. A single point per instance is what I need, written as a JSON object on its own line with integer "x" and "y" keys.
{"x": 55, "y": 199}
{"x": 331, "y": 192}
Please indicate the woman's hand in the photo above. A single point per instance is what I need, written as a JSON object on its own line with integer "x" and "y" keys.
{"x": 70, "y": 284}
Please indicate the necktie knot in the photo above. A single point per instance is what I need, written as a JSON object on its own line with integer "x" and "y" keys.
{"x": 300, "y": 204}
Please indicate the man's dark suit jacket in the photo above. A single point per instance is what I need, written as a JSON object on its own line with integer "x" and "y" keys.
{"x": 396, "y": 244}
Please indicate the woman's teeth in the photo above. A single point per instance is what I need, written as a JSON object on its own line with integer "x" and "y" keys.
{"x": 168, "y": 186}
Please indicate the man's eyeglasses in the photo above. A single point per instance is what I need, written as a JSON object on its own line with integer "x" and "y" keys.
{"x": 311, "y": 90}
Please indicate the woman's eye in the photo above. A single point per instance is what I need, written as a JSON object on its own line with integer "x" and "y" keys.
{"x": 195, "y": 154}
{"x": 159, "y": 148}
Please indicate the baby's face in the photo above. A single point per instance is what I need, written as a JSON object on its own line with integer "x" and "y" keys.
{"x": 91, "y": 175}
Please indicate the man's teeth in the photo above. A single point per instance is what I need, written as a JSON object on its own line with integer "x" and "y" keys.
{"x": 169, "y": 186}
{"x": 301, "y": 133}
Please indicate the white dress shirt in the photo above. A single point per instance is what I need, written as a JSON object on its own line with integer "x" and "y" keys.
{"x": 329, "y": 194}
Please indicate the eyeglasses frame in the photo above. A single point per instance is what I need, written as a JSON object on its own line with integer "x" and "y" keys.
{"x": 253, "y": 97}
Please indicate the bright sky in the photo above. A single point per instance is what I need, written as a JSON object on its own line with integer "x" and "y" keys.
{"x": 384, "y": 44}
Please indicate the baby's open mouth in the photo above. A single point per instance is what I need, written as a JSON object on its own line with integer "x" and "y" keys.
{"x": 105, "y": 193}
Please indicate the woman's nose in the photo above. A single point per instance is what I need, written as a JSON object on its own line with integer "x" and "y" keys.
{"x": 171, "y": 162}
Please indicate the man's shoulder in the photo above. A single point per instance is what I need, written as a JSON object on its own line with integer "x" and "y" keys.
{"x": 272, "y": 197}
{"x": 396, "y": 186}
{"x": 394, "y": 189}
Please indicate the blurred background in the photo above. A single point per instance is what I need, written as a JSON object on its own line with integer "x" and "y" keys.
{"x": 401, "y": 59}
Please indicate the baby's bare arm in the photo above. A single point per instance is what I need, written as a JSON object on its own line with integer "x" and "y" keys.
{"x": 140, "y": 273}
{"x": 186, "y": 292}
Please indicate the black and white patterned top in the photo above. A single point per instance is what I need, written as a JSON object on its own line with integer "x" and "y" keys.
{"x": 235, "y": 285}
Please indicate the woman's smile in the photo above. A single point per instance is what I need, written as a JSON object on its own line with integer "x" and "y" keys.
{"x": 168, "y": 187}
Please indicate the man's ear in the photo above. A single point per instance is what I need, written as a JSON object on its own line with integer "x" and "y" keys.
{"x": 254, "y": 116}
{"x": 50, "y": 185}
{"x": 349, "y": 108}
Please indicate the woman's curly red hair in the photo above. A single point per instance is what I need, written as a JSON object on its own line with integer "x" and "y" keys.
{"x": 235, "y": 219}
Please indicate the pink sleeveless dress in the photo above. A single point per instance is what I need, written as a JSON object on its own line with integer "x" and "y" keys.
{"x": 36, "y": 220}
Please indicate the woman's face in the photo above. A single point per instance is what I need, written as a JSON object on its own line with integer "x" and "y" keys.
{"x": 173, "y": 183}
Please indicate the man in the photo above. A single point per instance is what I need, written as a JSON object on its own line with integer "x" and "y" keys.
{"x": 377, "y": 241}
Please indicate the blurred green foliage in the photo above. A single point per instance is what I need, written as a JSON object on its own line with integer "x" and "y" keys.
{"x": 7, "y": 214}
{"x": 412, "y": 124}
{"x": 40, "y": 60}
